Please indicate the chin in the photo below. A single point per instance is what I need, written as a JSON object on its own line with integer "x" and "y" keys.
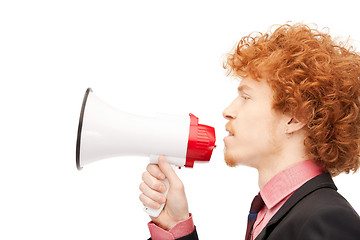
{"x": 230, "y": 160}
{"x": 233, "y": 160}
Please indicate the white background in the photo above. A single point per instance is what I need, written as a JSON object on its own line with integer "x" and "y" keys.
{"x": 140, "y": 56}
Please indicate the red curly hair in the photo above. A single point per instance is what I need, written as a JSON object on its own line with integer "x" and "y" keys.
{"x": 315, "y": 80}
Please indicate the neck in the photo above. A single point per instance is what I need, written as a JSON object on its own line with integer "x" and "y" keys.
{"x": 293, "y": 153}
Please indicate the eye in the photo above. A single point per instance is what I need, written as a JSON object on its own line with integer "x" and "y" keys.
{"x": 245, "y": 97}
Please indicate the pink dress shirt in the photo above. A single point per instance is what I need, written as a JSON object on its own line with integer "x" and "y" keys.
{"x": 181, "y": 229}
{"x": 279, "y": 189}
{"x": 274, "y": 193}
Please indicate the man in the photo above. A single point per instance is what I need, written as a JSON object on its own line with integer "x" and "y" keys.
{"x": 296, "y": 120}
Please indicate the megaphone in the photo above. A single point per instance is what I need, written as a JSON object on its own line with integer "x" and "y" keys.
{"x": 106, "y": 132}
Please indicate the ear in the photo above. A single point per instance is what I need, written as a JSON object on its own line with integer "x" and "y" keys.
{"x": 293, "y": 125}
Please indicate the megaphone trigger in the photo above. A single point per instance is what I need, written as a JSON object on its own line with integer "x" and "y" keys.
{"x": 175, "y": 161}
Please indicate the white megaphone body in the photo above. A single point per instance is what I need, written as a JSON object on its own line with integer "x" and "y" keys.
{"x": 105, "y": 132}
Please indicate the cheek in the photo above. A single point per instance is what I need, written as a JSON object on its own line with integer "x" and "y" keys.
{"x": 276, "y": 135}
{"x": 260, "y": 132}
{"x": 254, "y": 127}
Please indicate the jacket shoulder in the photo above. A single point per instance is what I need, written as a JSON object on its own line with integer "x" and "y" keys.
{"x": 331, "y": 221}
{"x": 322, "y": 214}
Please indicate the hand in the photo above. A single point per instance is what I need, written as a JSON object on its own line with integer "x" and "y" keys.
{"x": 176, "y": 207}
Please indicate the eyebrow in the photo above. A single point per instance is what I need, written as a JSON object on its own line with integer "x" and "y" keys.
{"x": 243, "y": 88}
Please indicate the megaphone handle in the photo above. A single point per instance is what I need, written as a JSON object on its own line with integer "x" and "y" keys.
{"x": 156, "y": 212}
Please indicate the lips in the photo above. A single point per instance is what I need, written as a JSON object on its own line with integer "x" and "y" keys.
{"x": 229, "y": 129}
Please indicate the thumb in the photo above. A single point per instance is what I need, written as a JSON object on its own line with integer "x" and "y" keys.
{"x": 168, "y": 170}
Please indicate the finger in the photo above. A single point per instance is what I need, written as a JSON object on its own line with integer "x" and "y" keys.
{"x": 153, "y": 183}
{"x": 153, "y": 195}
{"x": 169, "y": 172}
{"x": 149, "y": 202}
{"x": 155, "y": 171}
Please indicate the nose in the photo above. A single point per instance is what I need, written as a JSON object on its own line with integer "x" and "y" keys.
{"x": 228, "y": 113}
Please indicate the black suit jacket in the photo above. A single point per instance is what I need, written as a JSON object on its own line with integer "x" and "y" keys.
{"x": 316, "y": 211}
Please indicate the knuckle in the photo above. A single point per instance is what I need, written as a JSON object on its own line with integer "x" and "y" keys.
{"x": 155, "y": 205}
{"x": 146, "y": 201}
{"x": 157, "y": 186}
{"x": 142, "y": 187}
{"x": 161, "y": 199}
{"x": 141, "y": 198}
{"x": 149, "y": 167}
{"x": 152, "y": 204}
{"x": 154, "y": 171}
{"x": 143, "y": 176}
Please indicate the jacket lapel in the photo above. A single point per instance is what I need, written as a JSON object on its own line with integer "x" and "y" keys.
{"x": 321, "y": 181}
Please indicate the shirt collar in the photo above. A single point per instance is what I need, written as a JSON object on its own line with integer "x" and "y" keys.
{"x": 287, "y": 181}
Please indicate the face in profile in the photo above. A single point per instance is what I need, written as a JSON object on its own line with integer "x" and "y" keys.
{"x": 256, "y": 130}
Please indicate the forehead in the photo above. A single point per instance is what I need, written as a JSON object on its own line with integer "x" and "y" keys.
{"x": 244, "y": 88}
{"x": 249, "y": 84}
